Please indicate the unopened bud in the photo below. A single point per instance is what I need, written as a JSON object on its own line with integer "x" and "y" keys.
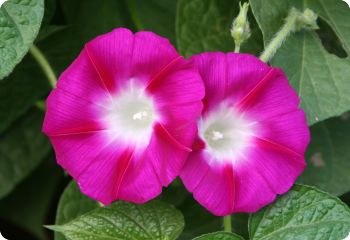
{"x": 240, "y": 30}
{"x": 307, "y": 20}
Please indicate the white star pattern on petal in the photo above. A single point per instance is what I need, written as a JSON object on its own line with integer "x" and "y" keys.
{"x": 347, "y": 2}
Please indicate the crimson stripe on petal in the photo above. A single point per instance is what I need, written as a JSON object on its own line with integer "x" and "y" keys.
{"x": 105, "y": 79}
{"x": 250, "y": 96}
{"x": 161, "y": 130}
{"x": 155, "y": 81}
{"x": 123, "y": 164}
{"x": 277, "y": 146}
{"x": 228, "y": 170}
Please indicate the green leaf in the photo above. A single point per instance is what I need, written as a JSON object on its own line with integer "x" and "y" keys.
{"x": 122, "y": 220}
{"x": 154, "y": 15}
{"x": 60, "y": 48}
{"x": 48, "y": 31}
{"x": 46, "y": 28}
{"x": 72, "y": 204}
{"x": 220, "y": 236}
{"x": 29, "y": 205}
{"x": 204, "y": 25}
{"x": 19, "y": 24}
{"x": 92, "y": 18}
{"x": 50, "y": 9}
{"x": 22, "y": 148}
{"x": 328, "y": 156}
{"x": 19, "y": 91}
{"x": 27, "y": 84}
{"x": 303, "y": 213}
{"x": 198, "y": 220}
{"x": 320, "y": 78}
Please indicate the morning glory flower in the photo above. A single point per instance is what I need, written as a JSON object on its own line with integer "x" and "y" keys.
{"x": 124, "y": 115}
{"x": 252, "y": 135}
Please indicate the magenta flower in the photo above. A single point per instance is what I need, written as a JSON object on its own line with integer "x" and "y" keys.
{"x": 252, "y": 136}
{"x": 124, "y": 115}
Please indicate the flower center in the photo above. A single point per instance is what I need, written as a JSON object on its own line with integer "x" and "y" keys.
{"x": 131, "y": 115}
{"x": 227, "y": 134}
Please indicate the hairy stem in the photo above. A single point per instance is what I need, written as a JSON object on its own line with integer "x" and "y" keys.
{"x": 227, "y": 223}
{"x": 295, "y": 21}
{"x": 281, "y": 36}
{"x": 44, "y": 64}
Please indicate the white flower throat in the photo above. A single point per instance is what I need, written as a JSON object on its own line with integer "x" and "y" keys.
{"x": 226, "y": 133}
{"x": 131, "y": 115}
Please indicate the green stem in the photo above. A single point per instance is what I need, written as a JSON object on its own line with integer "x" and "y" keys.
{"x": 237, "y": 48}
{"x": 281, "y": 36}
{"x": 44, "y": 64}
{"x": 295, "y": 21}
{"x": 227, "y": 223}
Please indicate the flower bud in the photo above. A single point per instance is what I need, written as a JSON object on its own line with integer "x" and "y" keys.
{"x": 308, "y": 20}
{"x": 240, "y": 30}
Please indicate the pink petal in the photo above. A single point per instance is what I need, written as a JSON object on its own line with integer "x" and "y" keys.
{"x": 69, "y": 114}
{"x": 243, "y": 187}
{"x": 82, "y": 80}
{"x": 107, "y": 166}
{"x": 272, "y": 96}
{"x": 151, "y": 55}
{"x": 289, "y": 130}
{"x": 267, "y": 171}
{"x": 271, "y": 160}
{"x": 212, "y": 186}
{"x": 98, "y": 170}
{"x": 157, "y": 166}
{"x": 232, "y": 76}
{"x": 182, "y": 84}
{"x": 179, "y": 123}
{"x": 119, "y": 56}
{"x": 212, "y": 66}
{"x": 101, "y": 171}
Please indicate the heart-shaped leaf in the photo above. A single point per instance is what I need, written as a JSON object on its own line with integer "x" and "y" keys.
{"x": 204, "y": 25}
{"x": 328, "y": 156}
{"x": 154, "y": 15}
{"x": 19, "y": 25}
{"x": 38, "y": 191}
{"x": 220, "y": 236}
{"x": 303, "y": 213}
{"x": 19, "y": 91}
{"x": 320, "y": 78}
{"x": 122, "y": 220}
{"x": 72, "y": 204}
{"x": 22, "y": 148}
{"x": 91, "y": 18}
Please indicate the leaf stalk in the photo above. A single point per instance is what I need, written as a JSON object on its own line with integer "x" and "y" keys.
{"x": 44, "y": 64}
{"x": 295, "y": 21}
{"x": 227, "y": 223}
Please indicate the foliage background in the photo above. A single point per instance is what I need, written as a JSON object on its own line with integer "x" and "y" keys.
{"x": 316, "y": 63}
